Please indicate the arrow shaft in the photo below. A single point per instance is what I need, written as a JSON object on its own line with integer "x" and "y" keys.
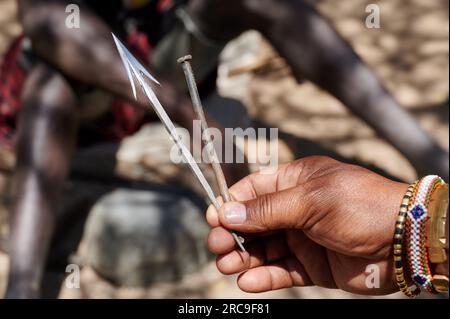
{"x": 170, "y": 127}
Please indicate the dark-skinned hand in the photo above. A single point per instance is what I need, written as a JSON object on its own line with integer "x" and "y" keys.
{"x": 315, "y": 221}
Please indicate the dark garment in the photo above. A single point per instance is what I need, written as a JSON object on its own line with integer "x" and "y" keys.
{"x": 155, "y": 18}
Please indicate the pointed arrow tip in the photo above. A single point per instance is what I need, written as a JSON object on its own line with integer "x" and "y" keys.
{"x": 130, "y": 62}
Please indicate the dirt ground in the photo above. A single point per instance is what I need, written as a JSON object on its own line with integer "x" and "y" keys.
{"x": 409, "y": 53}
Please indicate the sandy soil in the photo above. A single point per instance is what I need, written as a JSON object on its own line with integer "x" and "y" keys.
{"x": 410, "y": 55}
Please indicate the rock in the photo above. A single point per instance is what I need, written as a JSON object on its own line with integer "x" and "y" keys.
{"x": 135, "y": 238}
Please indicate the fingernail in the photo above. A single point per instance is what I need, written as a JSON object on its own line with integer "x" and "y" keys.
{"x": 235, "y": 213}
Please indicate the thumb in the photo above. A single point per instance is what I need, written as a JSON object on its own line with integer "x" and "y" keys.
{"x": 280, "y": 210}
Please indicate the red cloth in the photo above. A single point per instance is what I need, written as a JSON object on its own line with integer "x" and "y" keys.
{"x": 12, "y": 78}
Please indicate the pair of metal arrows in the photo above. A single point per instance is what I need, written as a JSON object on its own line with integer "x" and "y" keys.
{"x": 136, "y": 71}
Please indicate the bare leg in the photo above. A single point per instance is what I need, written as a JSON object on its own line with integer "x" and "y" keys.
{"x": 315, "y": 50}
{"x": 47, "y": 127}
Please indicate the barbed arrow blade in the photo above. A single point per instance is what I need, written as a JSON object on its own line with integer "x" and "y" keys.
{"x": 132, "y": 65}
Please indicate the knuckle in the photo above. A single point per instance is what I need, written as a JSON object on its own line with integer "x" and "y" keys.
{"x": 261, "y": 213}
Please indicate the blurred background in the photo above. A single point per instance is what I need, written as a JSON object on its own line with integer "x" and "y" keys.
{"x": 123, "y": 254}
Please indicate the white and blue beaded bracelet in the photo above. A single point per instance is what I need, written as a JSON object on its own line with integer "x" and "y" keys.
{"x": 415, "y": 236}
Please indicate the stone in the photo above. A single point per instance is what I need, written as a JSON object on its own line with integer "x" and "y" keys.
{"x": 136, "y": 238}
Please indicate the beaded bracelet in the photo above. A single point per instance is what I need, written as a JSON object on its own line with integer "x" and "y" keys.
{"x": 415, "y": 237}
{"x": 398, "y": 245}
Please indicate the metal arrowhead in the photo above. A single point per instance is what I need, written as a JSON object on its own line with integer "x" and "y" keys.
{"x": 132, "y": 66}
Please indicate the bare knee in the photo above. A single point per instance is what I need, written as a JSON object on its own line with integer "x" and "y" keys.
{"x": 47, "y": 124}
{"x": 48, "y": 92}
